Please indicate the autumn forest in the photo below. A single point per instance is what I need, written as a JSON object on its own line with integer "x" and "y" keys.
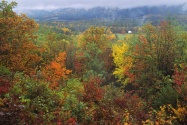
{"x": 53, "y": 74}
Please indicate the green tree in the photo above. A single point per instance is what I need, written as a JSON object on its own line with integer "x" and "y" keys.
{"x": 155, "y": 54}
{"x": 92, "y": 44}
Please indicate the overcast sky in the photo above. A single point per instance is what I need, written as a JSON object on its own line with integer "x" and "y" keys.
{"x": 53, "y": 4}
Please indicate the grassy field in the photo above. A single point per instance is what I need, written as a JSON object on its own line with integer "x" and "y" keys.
{"x": 123, "y": 36}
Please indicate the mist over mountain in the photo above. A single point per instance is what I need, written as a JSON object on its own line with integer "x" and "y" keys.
{"x": 139, "y": 14}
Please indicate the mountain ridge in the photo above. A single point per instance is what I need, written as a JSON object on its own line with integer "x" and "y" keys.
{"x": 139, "y": 15}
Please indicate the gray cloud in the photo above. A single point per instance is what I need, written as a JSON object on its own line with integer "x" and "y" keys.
{"x": 53, "y": 4}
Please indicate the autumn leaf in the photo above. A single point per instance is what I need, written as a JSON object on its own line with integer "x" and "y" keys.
{"x": 56, "y": 70}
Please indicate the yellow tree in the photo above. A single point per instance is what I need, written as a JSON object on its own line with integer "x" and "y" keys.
{"x": 123, "y": 62}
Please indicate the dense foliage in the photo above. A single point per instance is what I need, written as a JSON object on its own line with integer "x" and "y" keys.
{"x": 51, "y": 75}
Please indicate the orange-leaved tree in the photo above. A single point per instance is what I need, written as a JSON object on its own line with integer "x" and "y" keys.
{"x": 17, "y": 50}
{"x": 56, "y": 71}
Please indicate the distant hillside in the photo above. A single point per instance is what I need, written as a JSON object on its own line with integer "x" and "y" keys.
{"x": 139, "y": 14}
